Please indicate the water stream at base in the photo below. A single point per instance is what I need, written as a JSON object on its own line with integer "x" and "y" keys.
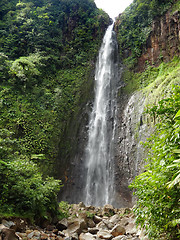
{"x": 99, "y": 158}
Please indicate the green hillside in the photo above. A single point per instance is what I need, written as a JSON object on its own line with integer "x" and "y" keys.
{"x": 47, "y": 52}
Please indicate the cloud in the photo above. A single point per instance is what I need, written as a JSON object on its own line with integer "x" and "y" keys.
{"x": 113, "y": 7}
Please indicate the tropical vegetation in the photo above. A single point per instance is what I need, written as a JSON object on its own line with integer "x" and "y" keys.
{"x": 47, "y": 49}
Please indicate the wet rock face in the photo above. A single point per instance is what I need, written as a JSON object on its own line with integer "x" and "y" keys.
{"x": 163, "y": 42}
{"x": 132, "y": 129}
{"x": 70, "y": 161}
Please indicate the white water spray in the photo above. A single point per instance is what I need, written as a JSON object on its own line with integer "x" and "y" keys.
{"x": 100, "y": 148}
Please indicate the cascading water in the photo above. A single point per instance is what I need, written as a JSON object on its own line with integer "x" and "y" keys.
{"x": 100, "y": 148}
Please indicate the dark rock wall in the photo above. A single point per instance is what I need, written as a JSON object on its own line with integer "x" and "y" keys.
{"x": 70, "y": 159}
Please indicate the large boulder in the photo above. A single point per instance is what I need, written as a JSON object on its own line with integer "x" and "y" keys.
{"x": 104, "y": 234}
{"x": 62, "y": 225}
{"x": 108, "y": 210}
{"x": 97, "y": 219}
{"x": 91, "y": 223}
{"x": 9, "y": 234}
{"x": 118, "y": 230}
{"x": 76, "y": 226}
{"x": 86, "y": 236}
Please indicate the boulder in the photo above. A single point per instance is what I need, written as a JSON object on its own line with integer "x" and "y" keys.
{"x": 109, "y": 224}
{"x": 50, "y": 227}
{"x": 59, "y": 238}
{"x": 30, "y": 235}
{"x": 104, "y": 234}
{"x": 108, "y": 210}
{"x": 8, "y": 224}
{"x": 118, "y": 230}
{"x": 9, "y": 234}
{"x": 82, "y": 215}
{"x": 86, "y": 236}
{"x": 76, "y": 226}
{"x": 131, "y": 229}
{"x": 91, "y": 223}
{"x": 102, "y": 226}
{"x": 115, "y": 219}
{"x": 22, "y": 235}
{"x": 93, "y": 230}
{"x": 97, "y": 219}
{"x": 88, "y": 208}
{"x": 19, "y": 225}
{"x": 2, "y": 226}
{"x": 81, "y": 205}
{"x": 61, "y": 234}
{"x": 44, "y": 236}
{"x": 124, "y": 221}
{"x": 62, "y": 225}
{"x": 74, "y": 236}
{"x": 122, "y": 237}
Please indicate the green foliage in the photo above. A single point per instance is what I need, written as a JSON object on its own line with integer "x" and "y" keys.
{"x": 90, "y": 214}
{"x": 157, "y": 188}
{"x": 61, "y": 29}
{"x": 63, "y": 210}
{"x": 23, "y": 191}
{"x": 47, "y": 49}
{"x": 154, "y": 81}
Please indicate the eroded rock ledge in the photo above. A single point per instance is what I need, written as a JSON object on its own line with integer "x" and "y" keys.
{"x": 163, "y": 42}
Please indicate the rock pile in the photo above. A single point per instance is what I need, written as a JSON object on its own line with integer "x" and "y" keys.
{"x": 84, "y": 223}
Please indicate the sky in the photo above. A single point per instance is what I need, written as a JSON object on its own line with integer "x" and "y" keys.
{"x": 113, "y": 7}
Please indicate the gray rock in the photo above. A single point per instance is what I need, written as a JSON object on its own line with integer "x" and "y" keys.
{"x": 118, "y": 230}
{"x": 76, "y": 226}
{"x": 30, "y": 235}
{"x": 62, "y": 225}
{"x": 124, "y": 221}
{"x": 131, "y": 229}
{"x": 61, "y": 234}
{"x": 102, "y": 226}
{"x": 108, "y": 210}
{"x": 81, "y": 205}
{"x": 90, "y": 208}
{"x": 122, "y": 237}
{"x": 2, "y": 226}
{"x": 8, "y": 224}
{"x": 115, "y": 219}
{"x": 86, "y": 236}
{"x": 75, "y": 236}
{"x": 109, "y": 224}
{"x": 91, "y": 223}
{"x": 97, "y": 219}
{"x": 104, "y": 234}
{"x": 9, "y": 234}
{"x": 93, "y": 230}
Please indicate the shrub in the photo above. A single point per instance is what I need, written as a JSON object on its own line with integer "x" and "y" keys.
{"x": 157, "y": 188}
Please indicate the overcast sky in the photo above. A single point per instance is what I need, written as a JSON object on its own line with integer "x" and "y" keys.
{"x": 113, "y": 7}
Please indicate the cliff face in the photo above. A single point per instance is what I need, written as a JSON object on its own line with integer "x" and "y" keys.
{"x": 161, "y": 45}
{"x": 163, "y": 41}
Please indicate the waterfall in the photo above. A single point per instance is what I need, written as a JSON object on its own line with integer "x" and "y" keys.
{"x": 99, "y": 160}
